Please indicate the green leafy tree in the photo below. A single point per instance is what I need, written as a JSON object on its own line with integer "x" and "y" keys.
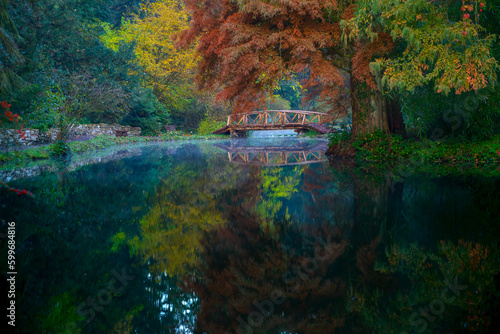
{"x": 60, "y": 38}
{"x": 80, "y": 95}
{"x": 10, "y": 55}
{"x": 441, "y": 43}
{"x": 441, "y": 47}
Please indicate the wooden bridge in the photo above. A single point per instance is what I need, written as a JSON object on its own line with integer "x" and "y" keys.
{"x": 298, "y": 120}
{"x": 275, "y": 156}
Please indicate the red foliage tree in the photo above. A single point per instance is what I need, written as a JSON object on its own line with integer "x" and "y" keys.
{"x": 10, "y": 120}
{"x": 248, "y": 46}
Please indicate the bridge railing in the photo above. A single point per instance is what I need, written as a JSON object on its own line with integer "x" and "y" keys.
{"x": 277, "y": 117}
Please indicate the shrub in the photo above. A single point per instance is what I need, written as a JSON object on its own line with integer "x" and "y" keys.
{"x": 59, "y": 148}
{"x": 471, "y": 115}
{"x": 209, "y": 125}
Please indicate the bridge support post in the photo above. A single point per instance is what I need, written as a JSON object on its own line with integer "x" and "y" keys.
{"x": 238, "y": 134}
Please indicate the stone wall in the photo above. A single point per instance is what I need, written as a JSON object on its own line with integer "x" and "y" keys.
{"x": 82, "y": 131}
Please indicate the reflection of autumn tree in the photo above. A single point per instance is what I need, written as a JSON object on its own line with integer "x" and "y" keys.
{"x": 185, "y": 206}
{"x": 327, "y": 194}
{"x": 403, "y": 278}
{"x": 170, "y": 232}
{"x": 246, "y": 265}
{"x": 180, "y": 213}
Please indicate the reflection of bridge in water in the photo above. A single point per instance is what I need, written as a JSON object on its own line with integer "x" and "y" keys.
{"x": 275, "y": 156}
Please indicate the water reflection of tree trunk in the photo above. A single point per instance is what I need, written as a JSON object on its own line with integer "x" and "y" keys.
{"x": 377, "y": 209}
{"x": 370, "y": 209}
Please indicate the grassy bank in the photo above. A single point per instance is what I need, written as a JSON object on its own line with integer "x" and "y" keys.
{"x": 99, "y": 142}
{"x": 379, "y": 150}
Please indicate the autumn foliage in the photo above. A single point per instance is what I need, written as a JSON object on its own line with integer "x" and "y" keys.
{"x": 7, "y": 117}
{"x": 248, "y": 46}
{"x": 350, "y": 53}
{"x": 441, "y": 43}
{"x": 152, "y": 33}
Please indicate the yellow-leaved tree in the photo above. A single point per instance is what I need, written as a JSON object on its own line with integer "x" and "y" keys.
{"x": 169, "y": 70}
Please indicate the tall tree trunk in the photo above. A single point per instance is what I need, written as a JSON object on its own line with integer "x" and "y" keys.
{"x": 357, "y": 117}
{"x": 372, "y": 111}
{"x": 395, "y": 117}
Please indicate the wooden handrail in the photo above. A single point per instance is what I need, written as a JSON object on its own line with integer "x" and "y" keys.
{"x": 285, "y": 111}
{"x": 281, "y": 116}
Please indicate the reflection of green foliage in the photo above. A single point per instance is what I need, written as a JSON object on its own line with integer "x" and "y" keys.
{"x": 124, "y": 326}
{"x": 62, "y": 316}
{"x": 275, "y": 185}
{"x": 268, "y": 208}
{"x": 278, "y": 184}
{"x": 118, "y": 240}
{"x": 470, "y": 265}
{"x": 184, "y": 207}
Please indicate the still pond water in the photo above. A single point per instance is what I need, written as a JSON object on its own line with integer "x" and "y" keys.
{"x": 250, "y": 236}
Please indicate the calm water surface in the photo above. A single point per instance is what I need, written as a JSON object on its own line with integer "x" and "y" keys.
{"x": 250, "y": 236}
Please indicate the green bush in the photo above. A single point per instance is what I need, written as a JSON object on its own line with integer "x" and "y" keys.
{"x": 59, "y": 149}
{"x": 379, "y": 148}
{"x": 471, "y": 115}
{"x": 339, "y": 137}
{"x": 146, "y": 112}
{"x": 43, "y": 112}
{"x": 207, "y": 126}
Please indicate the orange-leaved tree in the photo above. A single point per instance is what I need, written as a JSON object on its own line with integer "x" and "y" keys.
{"x": 248, "y": 46}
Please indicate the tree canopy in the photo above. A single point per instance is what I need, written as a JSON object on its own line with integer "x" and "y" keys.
{"x": 367, "y": 60}
{"x": 438, "y": 43}
{"x": 248, "y": 46}
{"x": 353, "y": 53}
